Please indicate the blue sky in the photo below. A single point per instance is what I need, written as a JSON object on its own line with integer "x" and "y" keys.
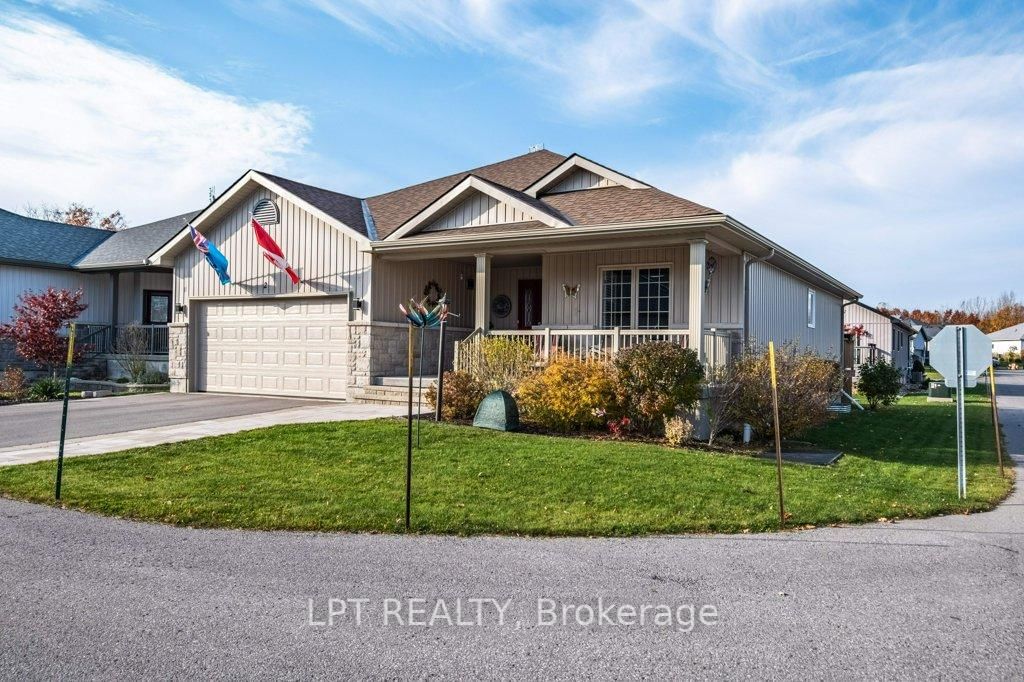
{"x": 882, "y": 141}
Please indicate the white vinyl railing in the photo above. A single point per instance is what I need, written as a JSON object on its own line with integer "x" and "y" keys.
{"x": 597, "y": 344}
{"x": 586, "y": 344}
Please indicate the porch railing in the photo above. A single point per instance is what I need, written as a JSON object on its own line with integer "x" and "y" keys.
{"x": 153, "y": 338}
{"x": 595, "y": 344}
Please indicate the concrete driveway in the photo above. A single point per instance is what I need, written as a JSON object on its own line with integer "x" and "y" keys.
{"x": 29, "y": 432}
{"x": 30, "y": 423}
{"x": 87, "y": 596}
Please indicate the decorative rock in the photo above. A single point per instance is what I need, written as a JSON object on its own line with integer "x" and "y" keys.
{"x": 497, "y": 411}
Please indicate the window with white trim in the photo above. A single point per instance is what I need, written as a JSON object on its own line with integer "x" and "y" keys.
{"x": 812, "y": 308}
{"x": 636, "y": 297}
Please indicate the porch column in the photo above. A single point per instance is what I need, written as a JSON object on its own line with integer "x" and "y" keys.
{"x": 695, "y": 316}
{"x": 115, "y": 293}
{"x": 482, "y": 291}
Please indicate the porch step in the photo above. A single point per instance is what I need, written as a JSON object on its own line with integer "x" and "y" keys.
{"x": 403, "y": 381}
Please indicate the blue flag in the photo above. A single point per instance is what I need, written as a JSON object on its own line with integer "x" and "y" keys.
{"x": 215, "y": 258}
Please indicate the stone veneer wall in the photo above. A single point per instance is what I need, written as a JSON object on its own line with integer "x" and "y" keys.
{"x": 381, "y": 349}
{"x": 177, "y": 358}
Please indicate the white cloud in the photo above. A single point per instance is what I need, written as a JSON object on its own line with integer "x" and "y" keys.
{"x": 73, "y": 6}
{"x": 84, "y": 122}
{"x": 905, "y": 181}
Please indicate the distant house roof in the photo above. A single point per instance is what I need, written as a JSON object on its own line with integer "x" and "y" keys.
{"x": 1014, "y": 333}
{"x": 131, "y": 247}
{"x": 29, "y": 241}
{"x": 930, "y": 330}
{"x": 43, "y": 243}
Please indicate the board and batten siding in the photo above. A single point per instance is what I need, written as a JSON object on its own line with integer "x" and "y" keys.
{"x": 395, "y": 282}
{"x": 579, "y": 179}
{"x": 723, "y": 301}
{"x": 131, "y": 287}
{"x": 328, "y": 260}
{"x": 506, "y": 281}
{"x": 477, "y": 209}
{"x": 885, "y": 335}
{"x": 16, "y": 280}
{"x": 778, "y": 312}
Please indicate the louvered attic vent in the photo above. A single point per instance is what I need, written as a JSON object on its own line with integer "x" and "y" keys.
{"x": 265, "y": 212}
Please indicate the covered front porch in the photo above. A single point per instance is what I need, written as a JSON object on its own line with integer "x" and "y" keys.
{"x": 590, "y": 301}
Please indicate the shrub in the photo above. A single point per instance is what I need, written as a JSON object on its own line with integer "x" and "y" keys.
{"x": 47, "y": 388}
{"x": 462, "y": 395}
{"x": 723, "y": 399}
{"x": 620, "y": 427}
{"x": 880, "y": 382}
{"x": 677, "y": 431}
{"x": 655, "y": 379}
{"x": 131, "y": 344}
{"x": 153, "y": 377}
{"x": 502, "y": 363}
{"x": 569, "y": 394}
{"x": 13, "y": 384}
{"x": 807, "y": 383}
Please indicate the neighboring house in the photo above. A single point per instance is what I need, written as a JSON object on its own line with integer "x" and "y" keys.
{"x": 1009, "y": 340}
{"x": 923, "y": 334}
{"x": 120, "y": 287}
{"x": 561, "y": 252}
{"x": 886, "y": 337}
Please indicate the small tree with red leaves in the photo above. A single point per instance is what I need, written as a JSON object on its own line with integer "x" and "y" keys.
{"x": 39, "y": 319}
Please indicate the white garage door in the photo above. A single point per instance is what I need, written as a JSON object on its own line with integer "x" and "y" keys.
{"x": 292, "y": 347}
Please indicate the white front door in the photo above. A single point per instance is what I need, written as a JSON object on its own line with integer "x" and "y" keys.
{"x": 289, "y": 347}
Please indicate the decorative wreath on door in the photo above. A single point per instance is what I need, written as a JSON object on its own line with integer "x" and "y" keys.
{"x": 433, "y": 293}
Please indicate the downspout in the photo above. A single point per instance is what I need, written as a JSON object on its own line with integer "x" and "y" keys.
{"x": 746, "y": 293}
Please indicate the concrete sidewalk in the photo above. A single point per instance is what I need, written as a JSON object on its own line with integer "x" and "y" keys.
{"x": 95, "y": 445}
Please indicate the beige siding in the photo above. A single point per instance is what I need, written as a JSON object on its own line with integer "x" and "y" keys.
{"x": 723, "y": 300}
{"x": 130, "y": 293}
{"x": 395, "y": 282}
{"x": 506, "y": 281}
{"x": 328, "y": 260}
{"x": 578, "y": 179}
{"x": 886, "y": 336}
{"x": 15, "y": 280}
{"x": 477, "y": 209}
{"x": 778, "y": 311}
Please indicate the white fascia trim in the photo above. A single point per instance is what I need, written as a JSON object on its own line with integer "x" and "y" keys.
{"x": 455, "y": 193}
{"x": 168, "y": 250}
{"x": 577, "y": 161}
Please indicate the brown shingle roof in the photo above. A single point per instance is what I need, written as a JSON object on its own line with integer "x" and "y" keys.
{"x": 608, "y": 205}
{"x": 343, "y": 207}
{"x": 392, "y": 209}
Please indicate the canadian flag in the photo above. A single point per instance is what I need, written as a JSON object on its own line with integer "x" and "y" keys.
{"x": 271, "y": 251}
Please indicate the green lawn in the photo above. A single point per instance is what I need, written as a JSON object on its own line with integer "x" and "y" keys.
{"x": 900, "y": 462}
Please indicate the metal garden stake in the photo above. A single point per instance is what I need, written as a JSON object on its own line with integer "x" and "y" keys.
{"x": 64, "y": 412}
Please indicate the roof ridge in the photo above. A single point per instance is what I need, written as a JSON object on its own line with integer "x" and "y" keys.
{"x": 306, "y": 184}
{"x": 461, "y": 175}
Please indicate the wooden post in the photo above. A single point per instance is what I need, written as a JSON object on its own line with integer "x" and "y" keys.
{"x": 778, "y": 436}
{"x": 695, "y": 307}
{"x": 408, "y": 445}
{"x": 616, "y": 340}
{"x": 995, "y": 417}
{"x": 547, "y": 343}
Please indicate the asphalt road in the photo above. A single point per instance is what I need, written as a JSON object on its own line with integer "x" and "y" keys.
{"x": 95, "y": 597}
{"x": 30, "y": 423}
